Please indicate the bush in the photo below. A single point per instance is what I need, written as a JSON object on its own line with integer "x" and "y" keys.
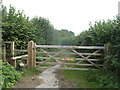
{"x": 9, "y": 75}
{"x": 107, "y": 81}
{"x": 101, "y": 33}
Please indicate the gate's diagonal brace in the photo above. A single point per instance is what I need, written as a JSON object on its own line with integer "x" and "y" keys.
{"x": 93, "y": 53}
{"x": 52, "y": 57}
{"x": 85, "y": 58}
{"x": 90, "y": 56}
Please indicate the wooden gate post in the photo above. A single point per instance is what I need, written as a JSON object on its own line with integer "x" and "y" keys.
{"x": 106, "y": 50}
{"x": 12, "y": 48}
{"x": 4, "y": 52}
{"x": 31, "y": 55}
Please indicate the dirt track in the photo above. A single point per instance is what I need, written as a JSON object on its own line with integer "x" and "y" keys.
{"x": 29, "y": 82}
{"x": 50, "y": 78}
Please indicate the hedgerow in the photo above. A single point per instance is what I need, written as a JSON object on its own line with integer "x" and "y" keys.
{"x": 104, "y": 32}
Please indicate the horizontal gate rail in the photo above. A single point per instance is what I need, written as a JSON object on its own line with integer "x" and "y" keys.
{"x": 96, "y": 54}
{"x": 68, "y": 68}
{"x": 18, "y": 50}
{"x": 53, "y": 63}
{"x": 70, "y": 47}
{"x": 75, "y": 58}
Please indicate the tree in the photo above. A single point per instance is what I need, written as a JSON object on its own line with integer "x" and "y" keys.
{"x": 16, "y": 27}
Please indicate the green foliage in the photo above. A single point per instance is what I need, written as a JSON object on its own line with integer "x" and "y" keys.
{"x": 107, "y": 81}
{"x": 16, "y": 27}
{"x": 45, "y": 32}
{"x": 56, "y": 40}
{"x": 9, "y": 75}
{"x": 101, "y": 33}
{"x": 66, "y": 33}
{"x": 69, "y": 40}
{"x": 67, "y": 37}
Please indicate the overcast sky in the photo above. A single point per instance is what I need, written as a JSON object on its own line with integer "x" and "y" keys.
{"x": 73, "y": 15}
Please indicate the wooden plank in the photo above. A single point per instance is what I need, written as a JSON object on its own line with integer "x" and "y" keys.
{"x": 7, "y": 42}
{"x": 70, "y": 47}
{"x": 68, "y": 68}
{"x": 17, "y": 50}
{"x": 19, "y": 57}
{"x": 81, "y": 59}
{"x": 54, "y": 63}
{"x": 65, "y": 53}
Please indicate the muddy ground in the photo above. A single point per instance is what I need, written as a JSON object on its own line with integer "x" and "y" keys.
{"x": 35, "y": 81}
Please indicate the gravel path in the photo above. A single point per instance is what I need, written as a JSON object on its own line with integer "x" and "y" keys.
{"x": 49, "y": 78}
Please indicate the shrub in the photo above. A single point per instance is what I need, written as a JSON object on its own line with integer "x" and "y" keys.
{"x": 9, "y": 75}
{"x": 101, "y": 33}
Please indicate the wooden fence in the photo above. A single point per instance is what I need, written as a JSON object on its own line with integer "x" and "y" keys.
{"x": 84, "y": 57}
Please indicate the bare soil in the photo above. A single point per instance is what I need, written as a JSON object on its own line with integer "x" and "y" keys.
{"x": 28, "y": 82}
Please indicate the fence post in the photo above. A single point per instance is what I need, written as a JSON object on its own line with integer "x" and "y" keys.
{"x": 12, "y": 48}
{"x": 31, "y": 54}
{"x": 105, "y": 55}
{"x": 4, "y": 52}
{"x": 12, "y": 53}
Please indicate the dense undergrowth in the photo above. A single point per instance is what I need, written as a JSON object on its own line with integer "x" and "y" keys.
{"x": 9, "y": 75}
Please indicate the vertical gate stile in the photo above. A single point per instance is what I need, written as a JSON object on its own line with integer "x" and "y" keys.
{"x": 35, "y": 54}
{"x": 31, "y": 54}
{"x": 12, "y": 53}
{"x": 4, "y": 52}
{"x": 105, "y": 54}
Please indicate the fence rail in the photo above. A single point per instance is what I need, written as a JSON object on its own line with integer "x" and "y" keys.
{"x": 70, "y": 47}
{"x": 18, "y": 50}
{"x": 19, "y": 57}
{"x": 64, "y": 53}
{"x": 77, "y": 59}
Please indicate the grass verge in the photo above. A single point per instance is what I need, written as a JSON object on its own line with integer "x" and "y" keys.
{"x": 82, "y": 79}
{"x": 30, "y": 71}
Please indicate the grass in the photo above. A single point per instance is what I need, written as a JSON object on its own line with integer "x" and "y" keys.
{"x": 82, "y": 79}
{"x": 30, "y": 71}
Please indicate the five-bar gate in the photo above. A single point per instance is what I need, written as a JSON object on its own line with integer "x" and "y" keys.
{"x": 84, "y": 57}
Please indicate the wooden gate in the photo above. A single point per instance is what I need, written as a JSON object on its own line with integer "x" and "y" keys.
{"x": 85, "y": 57}
{"x": 68, "y": 57}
